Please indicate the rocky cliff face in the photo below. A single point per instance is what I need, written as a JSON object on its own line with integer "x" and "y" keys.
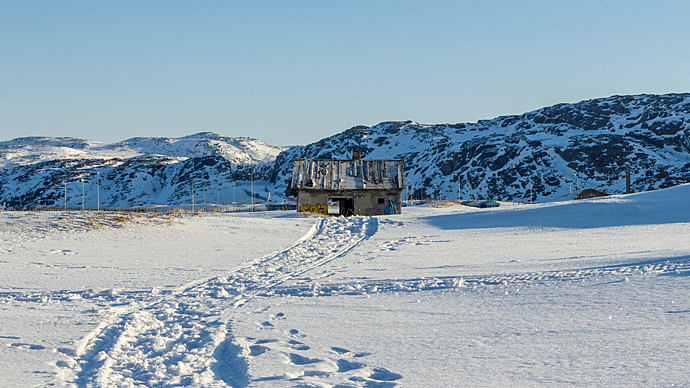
{"x": 531, "y": 156}
{"x": 589, "y": 143}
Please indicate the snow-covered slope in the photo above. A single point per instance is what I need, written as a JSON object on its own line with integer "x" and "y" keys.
{"x": 589, "y": 143}
{"x": 233, "y": 149}
{"x": 236, "y": 150}
{"x": 36, "y": 171}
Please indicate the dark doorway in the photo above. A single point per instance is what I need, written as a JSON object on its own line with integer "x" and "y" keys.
{"x": 341, "y": 206}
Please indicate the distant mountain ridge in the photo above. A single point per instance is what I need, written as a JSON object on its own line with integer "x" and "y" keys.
{"x": 134, "y": 172}
{"x": 236, "y": 150}
{"x": 534, "y": 155}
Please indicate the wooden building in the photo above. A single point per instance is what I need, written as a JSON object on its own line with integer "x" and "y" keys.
{"x": 348, "y": 187}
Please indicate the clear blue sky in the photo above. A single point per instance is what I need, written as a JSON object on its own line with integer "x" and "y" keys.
{"x": 293, "y": 72}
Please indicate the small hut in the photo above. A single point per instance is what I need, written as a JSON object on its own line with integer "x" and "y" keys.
{"x": 348, "y": 187}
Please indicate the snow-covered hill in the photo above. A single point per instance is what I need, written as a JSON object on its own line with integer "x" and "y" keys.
{"x": 589, "y": 143}
{"x": 37, "y": 171}
{"x": 543, "y": 155}
{"x": 31, "y": 150}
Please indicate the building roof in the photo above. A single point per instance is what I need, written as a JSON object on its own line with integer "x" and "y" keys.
{"x": 339, "y": 175}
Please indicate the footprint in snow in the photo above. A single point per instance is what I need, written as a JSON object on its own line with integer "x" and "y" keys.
{"x": 298, "y": 345}
{"x": 295, "y": 333}
{"x": 257, "y": 350}
{"x": 346, "y": 366}
{"x": 301, "y": 360}
{"x": 340, "y": 350}
{"x": 66, "y": 351}
{"x": 62, "y": 252}
{"x": 383, "y": 374}
{"x": 264, "y": 341}
{"x": 372, "y": 384}
{"x": 349, "y": 353}
{"x": 22, "y": 345}
{"x": 381, "y": 378}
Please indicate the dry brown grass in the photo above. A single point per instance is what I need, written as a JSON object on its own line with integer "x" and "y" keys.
{"x": 86, "y": 220}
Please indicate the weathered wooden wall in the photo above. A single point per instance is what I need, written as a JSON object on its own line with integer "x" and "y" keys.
{"x": 335, "y": 175}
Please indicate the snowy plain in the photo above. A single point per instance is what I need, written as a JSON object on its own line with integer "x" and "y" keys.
{"x": 578, "y": 293}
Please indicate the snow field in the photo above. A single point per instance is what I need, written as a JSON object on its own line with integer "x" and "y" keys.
{"x": 589, "y": 293}
{"x": 595, "y": 332}
{"x": 175, "y": 339}
{"x": 151, "y": 251}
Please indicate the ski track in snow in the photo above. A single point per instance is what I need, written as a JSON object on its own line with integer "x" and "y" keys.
{"x": 184, "y": 337}
{"x": 620, "y": 273}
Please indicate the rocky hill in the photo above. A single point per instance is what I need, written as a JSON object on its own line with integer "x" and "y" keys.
{"x": 586, "y": 143}
{"x": 532, "y": 156}
{"x": 41, "y": 171}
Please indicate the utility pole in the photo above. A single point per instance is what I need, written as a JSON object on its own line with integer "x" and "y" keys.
{"x": 98, "y": 191}
{"x": 192, "y": 195}
{"x": 531, "y": 192}
{"x": 252, "y": 192}
{"x": 627, "y": 179}
{"x": 82, "y": 194}
{"x": 65, "y": 183}
{"x": 570, "y": 184}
